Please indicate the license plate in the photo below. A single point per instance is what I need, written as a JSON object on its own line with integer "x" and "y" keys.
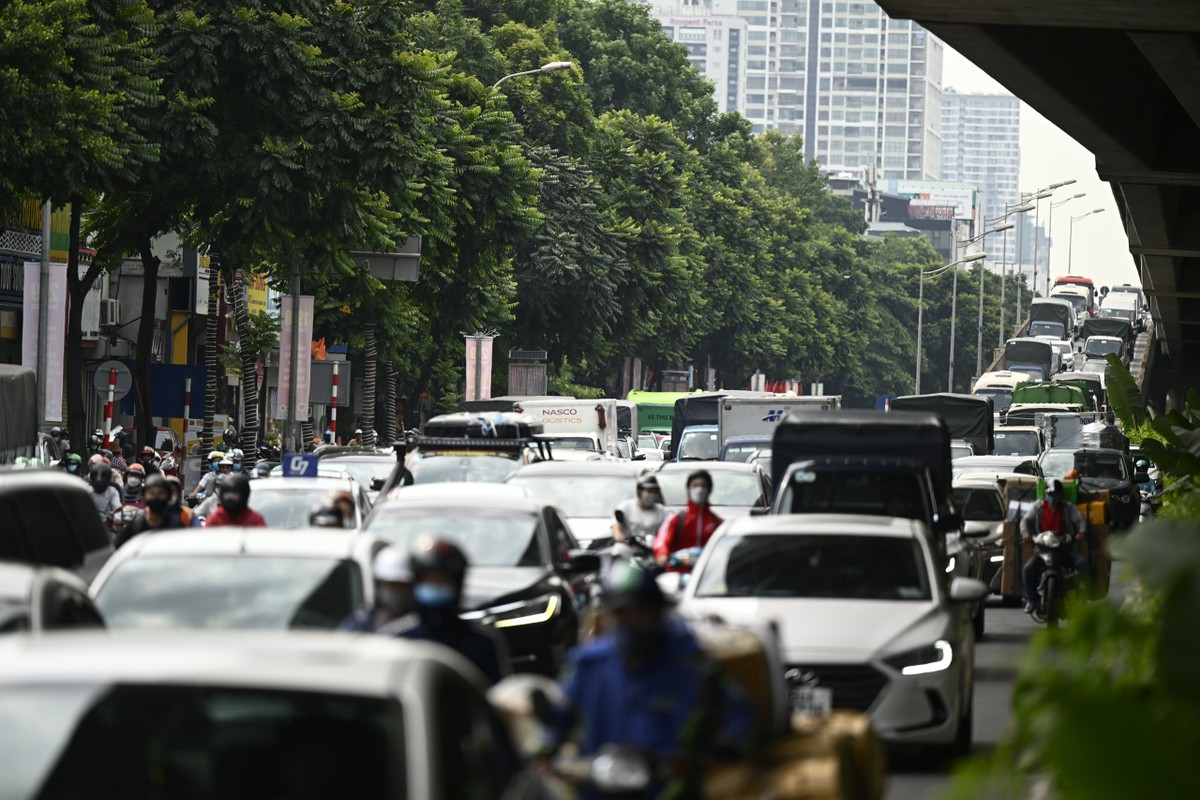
{"x": 812, "y": 700}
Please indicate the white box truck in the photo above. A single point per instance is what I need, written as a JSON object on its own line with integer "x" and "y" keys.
{"x": 758, "y": 416}
{"x": 589, "y": 425}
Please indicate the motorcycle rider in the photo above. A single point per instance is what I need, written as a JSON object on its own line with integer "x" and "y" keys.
{"x": 106, "y": 496}
{"x": 135, "y": 477}
{"x": 439, "y": 569}
{"x": 73, "y": 464}
{"x": 690, "y": 528}
{"x": 234, "y": 498}
{"x": 175, "y": 504}
{"x": 647, "y": 683}
{"x": 262, "y": 470}
{"x": 61, "y": 440}
{"x": 1150, "y": 486}
{"x": 208, "y": 479}
{"x": 643, "y": 514}
{"x": 148, "y": 458}
{"x": 1056, "y": 515}
{"x": 238, "y": 458}
{"x": 157, "y": 514}
{"x": 393, "y": 596}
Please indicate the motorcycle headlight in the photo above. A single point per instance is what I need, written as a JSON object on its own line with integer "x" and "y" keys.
{"x": 523, "y": 612}
{"x": 951, "y": 564}
{"x": 924, "y": 660}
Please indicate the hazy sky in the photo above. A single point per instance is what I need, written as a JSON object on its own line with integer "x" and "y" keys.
{"x": 1048, "y": 156}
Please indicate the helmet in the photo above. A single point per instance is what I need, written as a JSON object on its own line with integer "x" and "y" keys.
{"x": 358, "y": 432}
{"x": 234, "y": 493}
{"x": 154, "y": 481}
{"x": 175, "y": 485}
{"x": 237, "y": 455}
{"x": 1143, "y": 464}
{"x": 628, "y": 584}
{"x": 340, "y": 495}
{"x": 100, "y": 474}
{"x": 329, "y": 516}
{"x": 56, "y": 431}
{"x": 97, "y": 459}
{"x": 149, "y": 451}
{"x": 136, "y": 469}
{"x": 1071, "y": 475}
{"x": 392, "y": 564}
{"x": 98, "y": 433}
{"x": 1054, "y": 486}
{"x": 262, "y": 469}
{"x": 648, "y": 482}
{"x": 438, "y": 555}
{"x": 215, "y": 455}
{"x": 225, "y": 462}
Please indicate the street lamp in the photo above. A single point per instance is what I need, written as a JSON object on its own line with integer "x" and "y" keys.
{"x": 1004, "y": 228}
{"x": 544, "y": 69}
{"x": 1009, "y": 210}
{"x": 1050, "y": 233}
{"x": 933, "y": 273}
{"x": 1071, "y": 234}
{"x": 1036, "y": 197}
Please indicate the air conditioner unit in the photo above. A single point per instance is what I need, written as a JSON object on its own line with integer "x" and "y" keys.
{"x": 110, "y": 313}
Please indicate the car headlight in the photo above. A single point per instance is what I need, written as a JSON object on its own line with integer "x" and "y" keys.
{"x": 951, "y": 564}
{"x": 522, "y": 612}
{"x": 997, "y": 558}
{"x": 924, "y": 660}
{"x": 1123, "y": 498}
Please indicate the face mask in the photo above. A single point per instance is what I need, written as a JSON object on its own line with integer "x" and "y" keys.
{"x": 393, "y": 600}
{"x": 237, "y": 467}
{"x": 1054, "y": 500}
{"x": 434, "y": 595}
{"x": 133, "y": 481}
{"x": 651, "y": 498}
{"x": 698, "y": 495}
{"x": 634, "y": 641}
{"x": 234, "y": 504}
{"x": 72, "y": 468}
{"x": 156, "y": 504}
{"x": 100, "y": 487}
{"x": 212, "y": 466}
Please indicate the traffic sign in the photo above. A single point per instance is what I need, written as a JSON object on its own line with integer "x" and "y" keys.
{"x": 124, "y": 379}
{"x": 299, "y": 465}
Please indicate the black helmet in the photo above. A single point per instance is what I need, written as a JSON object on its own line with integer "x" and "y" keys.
{"x": 701, "y": 475}
{"x": 1054, "y": 486}
{"x": 648, "y": 482}
{"x": 262, "y": 469}
{"x": 155, "y": 480}
{"x": 628, "y": 584}
{"x": 101, "y": 474}
{"x": 438, "y": 555}
{"x": 234, "y": 493}
{"x": 327, "y": 517}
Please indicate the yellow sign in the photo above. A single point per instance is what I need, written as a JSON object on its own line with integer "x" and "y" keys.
{"x": 256, "y": 293}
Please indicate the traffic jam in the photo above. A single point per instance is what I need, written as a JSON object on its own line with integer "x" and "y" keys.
{"x": 720, "y": 594}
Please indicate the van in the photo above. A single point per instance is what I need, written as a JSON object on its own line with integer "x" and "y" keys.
{"x": 999, "y": 386}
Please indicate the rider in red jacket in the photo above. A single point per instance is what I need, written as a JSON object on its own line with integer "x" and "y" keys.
{"x": 234, "y": 508}
{"x": 692, "y": 528}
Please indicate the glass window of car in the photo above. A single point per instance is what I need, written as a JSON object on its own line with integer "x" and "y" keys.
{"x": 980, "y": 505}
{"x": 743, "y": 489}
{"x": 287, "y": 508}
{"x": 1056, "y": 464}
{"x": 887, "y": 494}
{"x": 187, "y": 741}
{"x": 699, "y": 446}
{"x": 488, "y": 538}
{"x": 362, "y": 470}
{"x": 1001, "y": 398}
{"x": 960, "y": 451}
{"x": 744, "y": 451}
{"x": 815, "y": 566}
{"x": 1044, "y": 328}
{"x": 1016, "y": 443}
{"x": 585, "y": 443}
{"x": 1105, "y": 466}
{"x": 256, "y": 592}
{"x": 580, "y": 495}
{"x": 437, "y": 468}
{"x": 1098, "y": 348}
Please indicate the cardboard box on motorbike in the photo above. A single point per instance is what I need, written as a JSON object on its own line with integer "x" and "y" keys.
{"x": 1094, "y": 505}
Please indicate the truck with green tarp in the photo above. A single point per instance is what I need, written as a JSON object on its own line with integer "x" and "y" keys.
{"x": 655, "y": 410}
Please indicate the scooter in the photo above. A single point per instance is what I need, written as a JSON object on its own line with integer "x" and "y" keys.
{"x": 1052, "y": 548}
{"x": 616, "y": 772}
{"x": 1150, "y": 504}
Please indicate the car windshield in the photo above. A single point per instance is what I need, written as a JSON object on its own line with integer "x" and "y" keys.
{"x": 362, "y": 470}
{"x": 196, "y": 741}
{"x": 458, "y": 468}
{"x": 1077, "y": 301}
{"x": 1104, "y": 466}
{"x": 1044, "y": 328}
{"x": 886, "y": 494}
{"x": 1001, "y": 398}
{"x": 742, "y": 451}
{"x": 580, "y": 495}
{"x": 288, "y": 508}
{"x": 990, "y": 467}
{"x": 647, "y": 441}
{"x": 1099, "y": 348}
{"x": 729, "y": 488}
{"x": 1016, "y": 443}
{"x": 1117, "y": 313}
{"x": 234, "y": 591}
{"x": 979, "y": 505}
{"x": 488, "y": 538}
{"x": 1055, "y": 465}
{"x": 572, "y": 443}
{"x": 699, "y": 445}
{"x": 960, "y": 451}
{"x": 793, "y": 566}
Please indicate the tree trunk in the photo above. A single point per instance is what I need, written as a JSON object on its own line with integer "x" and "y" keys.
{"x": 370, "y": 357}
{"x": 77, "y": 289}
{"x": 210, "y": 364}
{"x": 248, "y": 435}
{"x": 144, "y": 418}
{"x": 389, "y": 388}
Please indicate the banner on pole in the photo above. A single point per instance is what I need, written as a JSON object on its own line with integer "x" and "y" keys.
{"x": 31, "y": 309}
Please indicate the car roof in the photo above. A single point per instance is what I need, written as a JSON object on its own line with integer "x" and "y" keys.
{"x": 976, "y": 482}
{"x": 578, "y": 468}
{"x": 824, "y": 524}
{"x": 1025, "y": 428}
{"x": 453, "y": 495}
{"x": 279, "y": 483}
{"x": 357, "y": 454}
{"x": 714, "y": 467}
{"x": 749, "y": 437}
{"x": 293, "y": 660}
{"x": 986, "y": 461}
{"x": 221, "y": 541}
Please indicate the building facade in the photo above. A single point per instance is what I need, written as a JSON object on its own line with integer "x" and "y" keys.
{"x": 715, "y": 39}
{"x": 981, "y": 144}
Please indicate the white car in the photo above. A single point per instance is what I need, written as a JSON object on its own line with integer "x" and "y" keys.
{"x": 868, "y": 619}
{"x": 288, "y": 502}
{"x": 224, "y": 578}
{"x": 248, "y": 715}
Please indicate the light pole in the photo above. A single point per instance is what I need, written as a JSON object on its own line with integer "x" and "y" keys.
{"x": 1043, "y": 193}
{"x": 1071, "y": 234}
{"x": 1007, "y": 226}
{"x": 545, "y": 69}
{"x": 1027, "y": 197}
{"x": 933, "y": 273}
{"x": 1009, "y": 210}
{"x": 1050, "y": 233}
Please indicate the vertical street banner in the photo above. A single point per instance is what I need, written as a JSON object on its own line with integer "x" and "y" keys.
{"x": 479, "y": 365}
{"x": 56, "y": 340}
{"x": 285, "y": 356}
{"x": 304, "y": 365}
{"x": 30, "y": 313}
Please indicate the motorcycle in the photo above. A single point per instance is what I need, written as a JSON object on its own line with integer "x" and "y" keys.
{"x": 616, "y": 772}
{"x": 1150, "y": 504}
{"x": 1052, "y": 549}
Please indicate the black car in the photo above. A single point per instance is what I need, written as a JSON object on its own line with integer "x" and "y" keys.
{"x": 526, "y": 569}
{"x": 48, "y": 518}
{"x": 40, "y": 599}
{"x": 1100, "y": 468}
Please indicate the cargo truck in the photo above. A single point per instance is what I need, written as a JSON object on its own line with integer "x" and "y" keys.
{"x": 589, "y": 425}
{"x": 758, "y": 416}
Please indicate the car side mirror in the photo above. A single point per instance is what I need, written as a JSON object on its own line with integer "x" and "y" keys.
{"x": 581, "y": 561}
{"x": 759, "y": 511}
{"x": 968, "y": 590}
{"x": 377, "y": 484}
{"x": 949, "y": 523}
{"x": 639, "y": 457}
{"x": 1141, "y": 477}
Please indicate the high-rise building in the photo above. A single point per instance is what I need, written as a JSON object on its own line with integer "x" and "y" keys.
{"x": 981, "y": 144}
{"x": 715, "y": 39}
{"x": 860, "y": 88}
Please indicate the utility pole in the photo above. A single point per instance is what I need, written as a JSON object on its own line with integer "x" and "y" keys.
{"x": 43, "y": 378}
{"x": 293, "y": 372}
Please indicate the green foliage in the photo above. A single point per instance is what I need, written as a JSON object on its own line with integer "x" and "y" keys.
{"x": 1123, "y": 393}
